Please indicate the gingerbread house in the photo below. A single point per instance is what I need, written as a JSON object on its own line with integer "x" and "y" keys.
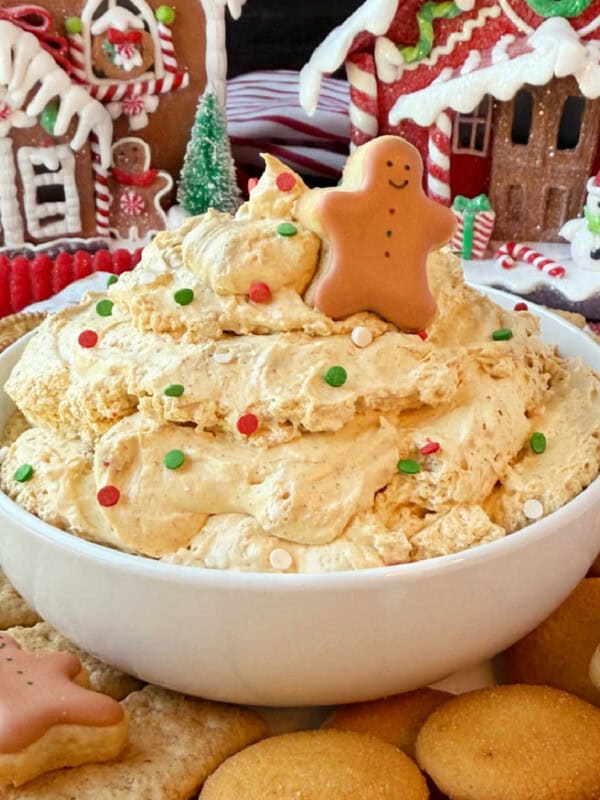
{"x": 499, "y": 96}
{"x": 82, "y": 80}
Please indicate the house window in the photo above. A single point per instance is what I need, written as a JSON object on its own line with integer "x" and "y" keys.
{"x": 472, "y": 131}
{"x": 522, "y": 117}
{"x": 569, "y": 128}
{"x": 51, "y": 199}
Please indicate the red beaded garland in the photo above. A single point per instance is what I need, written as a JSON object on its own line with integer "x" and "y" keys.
{"x": 247, "y": 424}
{"x": 260, "y": 292}
{"x": 285, "y": 181}
{"x": 108, "y": 496}
{"x": 88, "y": 338}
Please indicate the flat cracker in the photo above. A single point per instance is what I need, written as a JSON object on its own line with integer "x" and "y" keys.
{"x": 13, "y": 609}
{"x": 103, "y": 678}
{"x": 175, "y": 743}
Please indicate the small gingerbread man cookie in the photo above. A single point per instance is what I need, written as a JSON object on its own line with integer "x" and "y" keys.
{"x": 48, "y": 718}
{"x": 136, "y": 191}
{"x": 378, "y": 227}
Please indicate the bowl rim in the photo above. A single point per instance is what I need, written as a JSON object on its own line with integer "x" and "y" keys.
{"x": 359, "y": 578}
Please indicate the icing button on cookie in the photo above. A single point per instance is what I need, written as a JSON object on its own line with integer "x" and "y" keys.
{"x": 533, "y": 509}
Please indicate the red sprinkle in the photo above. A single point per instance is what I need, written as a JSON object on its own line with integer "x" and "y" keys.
{"x": 422, "y": 335}
{"x": 108, "y": 496}
{"x": 285, "y": 181}
{"x": 247, "y": 424}
{"x": 429, "y": 448}
{"x": 557, "y": 272}
{"x": 521, "y": 307}
{"x": 88, "y": 338}
{"x": 251, "y": 184}
{"x": 260, "y": 292}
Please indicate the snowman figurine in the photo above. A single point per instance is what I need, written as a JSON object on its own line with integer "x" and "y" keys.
{"x": 584, "y": 232}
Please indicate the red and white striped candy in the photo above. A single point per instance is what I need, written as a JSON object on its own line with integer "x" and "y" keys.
{"x": 508, "y": 253}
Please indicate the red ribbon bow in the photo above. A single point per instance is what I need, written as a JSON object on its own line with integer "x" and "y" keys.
{"x": 115, "y": 36}
{"x": 38, "y": 20}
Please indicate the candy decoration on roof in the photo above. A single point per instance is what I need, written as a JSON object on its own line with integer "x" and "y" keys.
{"x": 378, "y": 228}
{"x": 208, "y": 176}
{"x": 584, "y": 232}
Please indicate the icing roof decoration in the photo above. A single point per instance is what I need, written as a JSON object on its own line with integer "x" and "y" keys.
{"x": 24, "y": 66}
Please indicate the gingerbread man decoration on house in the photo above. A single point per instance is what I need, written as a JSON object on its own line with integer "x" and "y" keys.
{"x": 378, "y": 227}
{"x": 136, "y": 191}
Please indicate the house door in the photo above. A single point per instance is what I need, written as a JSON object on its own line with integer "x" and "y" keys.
{"x": 544, "y": 144}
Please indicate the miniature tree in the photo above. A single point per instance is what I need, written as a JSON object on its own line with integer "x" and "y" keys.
{"x": 207, "y": 178}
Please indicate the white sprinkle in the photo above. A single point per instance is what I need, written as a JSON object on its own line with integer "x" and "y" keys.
{"x": 3, "y": 453}
{"x": 280, "y": 559}
{"x": 224, "y": 357}
{"x": 361, "y": 336}
{"x": 533, "y": 509}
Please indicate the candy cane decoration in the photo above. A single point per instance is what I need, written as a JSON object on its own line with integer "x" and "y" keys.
{"x": 166, "y": 47}
{"x": 102, "y": 197}
{"x": 509, "y": 253}
{"x": 364, "y": 123}
{"x": 438, "y": 159}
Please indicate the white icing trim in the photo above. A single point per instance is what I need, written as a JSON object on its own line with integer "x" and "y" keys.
{"x": 10, "y": 215}
{"x": 36, "y": 212}
{"x": 389, "y": 62}
{"x": 472, "y": 61}
{"x": 374, "y": 16}
{"x": 512, "y": 15}
{"x": 499, "y": 50}
{"x": 116, "y": 17}
{"x": 557, "y": 52}
{"x": 25, "y": 67}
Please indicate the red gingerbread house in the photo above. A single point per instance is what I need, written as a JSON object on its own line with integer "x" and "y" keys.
{"x": 499, "y": 96}
{"x": 81, "y": 80}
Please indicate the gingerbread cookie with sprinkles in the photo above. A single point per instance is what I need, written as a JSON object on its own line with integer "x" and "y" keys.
{"x": 378, "y": 228}
{"x": 48, "y": 718}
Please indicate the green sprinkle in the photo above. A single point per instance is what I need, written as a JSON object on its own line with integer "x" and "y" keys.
{"x": 538, "y": 443}
{"x": 48, "y": 117}
{"x": 502, "y": 335}
{"x": 184, "y": 296}
{"x": 287, "y": 229}
{"x": 104, "y": 308}
{"x": 73, "y": 25}
{"x": 111, "y": 279}
{"x": 408, "y": 466}
{"x": 173, "y": 459}
{"x": 23, "y": 473}
{"x": 165, "y": 14}
{"x": 174, "y": 390}
{"x": 335, "y": 376}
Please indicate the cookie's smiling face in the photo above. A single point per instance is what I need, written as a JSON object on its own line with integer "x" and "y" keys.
{"x": 398, "y": 182}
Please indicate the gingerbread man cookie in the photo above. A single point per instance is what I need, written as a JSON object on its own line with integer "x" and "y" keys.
{"x": 136, "y": 191}
{"x": 378, "y": 227}
{"x": 48, "y": 718}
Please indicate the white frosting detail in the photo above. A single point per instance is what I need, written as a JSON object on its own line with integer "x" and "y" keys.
{"x": 465, "y": 5}
{"x": 472, "y": 61}
{"x": 116, "y": 17}
{"x": 216, "y": 53}
{"x": 389, "y": 61}
{"x": 512, "y": 15}
{"x": 10, "y": 214}
{"x": 533, "y": 509}
{"x": 26, "y": 66}
{"x": 557, "y": 51}
{"x": 373, "y": 16}
{"x": 499, "y": 50}
{"x": 363, "y": 81}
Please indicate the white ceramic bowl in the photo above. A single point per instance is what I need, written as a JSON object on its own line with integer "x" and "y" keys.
{"x": 303, "y": 639}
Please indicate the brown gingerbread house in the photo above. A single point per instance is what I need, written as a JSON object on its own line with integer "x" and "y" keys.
{"x": 77, "y": 78}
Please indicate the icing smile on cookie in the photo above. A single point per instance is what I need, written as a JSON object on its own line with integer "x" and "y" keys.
{"x": 398, "y": 185}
